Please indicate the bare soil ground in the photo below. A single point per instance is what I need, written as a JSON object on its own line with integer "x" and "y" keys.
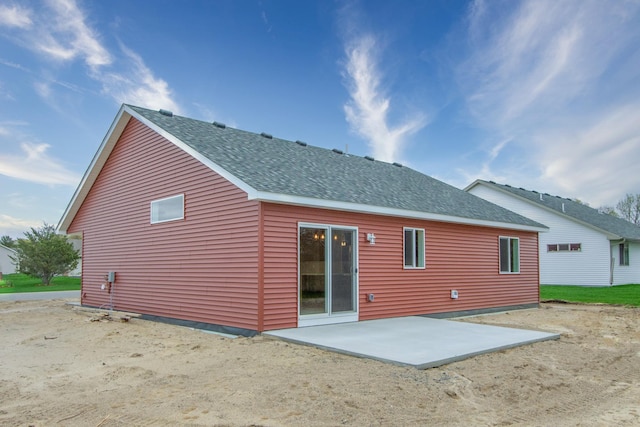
{"x": 59, "y": 366}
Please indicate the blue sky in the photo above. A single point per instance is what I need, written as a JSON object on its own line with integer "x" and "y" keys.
{"x": 538, "y": 94}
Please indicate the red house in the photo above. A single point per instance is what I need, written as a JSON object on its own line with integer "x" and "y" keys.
{"x": 186, "y": 220}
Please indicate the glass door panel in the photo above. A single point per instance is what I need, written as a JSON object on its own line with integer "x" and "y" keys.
{"x": 342, "y": 271}
{"x": 313, "y": 271}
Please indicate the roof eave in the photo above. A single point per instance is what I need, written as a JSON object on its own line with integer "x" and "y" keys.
{"x": 96, "y": 165}
{"x": 108, "y": 143}
{"x": 609, "y": 235}
{"x": 386, "y": 211}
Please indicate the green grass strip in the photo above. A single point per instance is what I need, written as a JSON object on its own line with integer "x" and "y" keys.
{"x": 12, "y": 283}
{"x": 618, "y": 295}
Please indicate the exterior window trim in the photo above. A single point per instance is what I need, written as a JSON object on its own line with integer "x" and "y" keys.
{"x": 570, "y": 247}
{"x": 511, "y": 266}
{"x": 418, "y": 255}
{"x": 624, "y": 254}
{"x": 153, "y": 213}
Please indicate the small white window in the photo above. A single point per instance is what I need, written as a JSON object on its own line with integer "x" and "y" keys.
{"x": 167, "y": 209}
{"x": 413, "y": 248}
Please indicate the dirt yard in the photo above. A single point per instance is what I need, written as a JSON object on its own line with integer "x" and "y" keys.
{"x": 60, "y": 365}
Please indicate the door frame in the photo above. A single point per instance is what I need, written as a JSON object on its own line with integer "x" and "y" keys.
{"x": 330, "y": 318}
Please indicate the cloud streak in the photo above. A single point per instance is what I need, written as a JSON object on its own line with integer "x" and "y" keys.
{"x": 35, "y": 165}
{"x": 368, "y": 107}
{"x": 558, "y": 81}
{"x": 60, "y": 33}
{"x": 15, "y": 16}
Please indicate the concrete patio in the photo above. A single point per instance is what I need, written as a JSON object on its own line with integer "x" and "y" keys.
{"x": 421, "y": 342}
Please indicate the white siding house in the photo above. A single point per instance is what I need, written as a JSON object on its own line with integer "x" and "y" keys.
{"x": 582, "y": 246}
{"x": 6, "y": 264}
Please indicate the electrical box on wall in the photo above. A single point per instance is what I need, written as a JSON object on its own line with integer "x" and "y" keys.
{"x": 454, "y": 294}
{"x": 111, "y": 276}
{"x": 371, "y": 297}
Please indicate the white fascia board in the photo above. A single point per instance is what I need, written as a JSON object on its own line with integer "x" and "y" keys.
{"x": 92, "y": 172}
{"x": 195, "y": 154}
{"x": 607, "y": 234}
{"x": 381, "y": 210}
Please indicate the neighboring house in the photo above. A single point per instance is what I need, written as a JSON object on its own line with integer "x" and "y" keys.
{"x": 76, "y": 242}
{"x": 583, "y": 246}
{"x": 202, "y": 222}
{"x": 7, "y": 266}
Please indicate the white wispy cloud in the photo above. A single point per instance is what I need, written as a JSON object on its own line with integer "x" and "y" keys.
{"x": 368, "y": 107}
{"x": 557, "y": 81}
{"x": 60, "y": 32}
{"x": 15, "y": 16}
{"x": 15, "y": 227}
{"x": 138, "y": 85}
{"x": 34, "y": 164}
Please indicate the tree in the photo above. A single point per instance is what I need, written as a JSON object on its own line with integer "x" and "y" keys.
{"x": 43, "y": 253}
{"x": 609, "y": 210}
{"x": 629, "y": 208}
{"x": 7, "y": 241}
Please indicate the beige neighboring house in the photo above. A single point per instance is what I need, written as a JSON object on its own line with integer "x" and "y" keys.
{"x": 7, "y": 265}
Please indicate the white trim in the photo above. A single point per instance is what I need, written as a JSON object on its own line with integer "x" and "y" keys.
{"x": 164, "y": 199}
{"x": 381, "y": 210}
{"x": 331, "y": 318}
{"x": 92, "y": 172}
{"x": 499, "y": 253}
{"x": 424, "y": 249}
{"x": 124, "y": 115}
{"x": 609, "y": 235}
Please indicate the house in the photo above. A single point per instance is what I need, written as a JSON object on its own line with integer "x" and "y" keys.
{"x": 582, "y": 247}
{"x": 7, "y": 266}
{"x": 197, "y": 221}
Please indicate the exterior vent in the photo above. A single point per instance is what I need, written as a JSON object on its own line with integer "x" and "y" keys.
{"x": 335, "y": 150}
{"x": 397, "y": 164}
{"x": 266, "y": 135}
{"x": 219, "y": 125}
{"x": 369, "y": 158}
{"x": 166, "y": 113}
{"x": 301, "y": 143}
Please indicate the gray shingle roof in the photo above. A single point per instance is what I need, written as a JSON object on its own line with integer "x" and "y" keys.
{"x": 610, "y": 224}
{"x": 273, "y": 165}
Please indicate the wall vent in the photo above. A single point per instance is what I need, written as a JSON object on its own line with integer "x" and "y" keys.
{"x": 301, "y": 143}
{"x": 166, "y": 113}
{"x": 219, "y": 125}
{"x": 369, "y": 158}
{"x": 335, "y": 150}
{"x": 266, "y": 135}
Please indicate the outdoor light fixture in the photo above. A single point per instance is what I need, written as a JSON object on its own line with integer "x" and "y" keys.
{"x": 371, "y": 238}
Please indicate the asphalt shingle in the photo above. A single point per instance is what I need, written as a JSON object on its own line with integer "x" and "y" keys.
{"x": 278, "y": 166}
{"x": 581, "y": 212}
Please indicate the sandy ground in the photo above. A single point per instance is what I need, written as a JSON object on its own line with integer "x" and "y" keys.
{"x": 60, "y": 366}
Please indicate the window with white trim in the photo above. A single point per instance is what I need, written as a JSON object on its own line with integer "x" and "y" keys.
{"x": 509, "y": 255}
{"x": 413, "y": 248}
{"x": 564, "y": 247}
{"x": 167, "y": 209}
{"x": 624, "y": 253}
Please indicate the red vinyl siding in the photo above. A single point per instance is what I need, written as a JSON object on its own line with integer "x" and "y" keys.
{"x": 203, "y": 268}
{"x": 458, "y": 257}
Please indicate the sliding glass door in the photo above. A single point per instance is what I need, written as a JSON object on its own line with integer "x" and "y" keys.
{"x": 327, "y": 267}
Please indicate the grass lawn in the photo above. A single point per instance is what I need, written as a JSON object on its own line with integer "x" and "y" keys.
{"x": 11, "y": 283}
{"x": 623, "y": 294}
